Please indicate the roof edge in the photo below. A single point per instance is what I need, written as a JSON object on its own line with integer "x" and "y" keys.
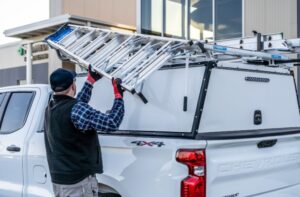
{"x": 50, "y": 25}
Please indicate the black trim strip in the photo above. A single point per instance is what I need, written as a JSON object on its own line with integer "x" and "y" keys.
{"x": 202, "y": 97}
{"x": 180, "y": 66}
{"x": 3, "y": 106}
{"x": 296, "y": 90}
{"x": 233, "y": 135}
{"x": 252, "y": 71}
{"x": 259, "y": 42}
{"x": 257, "y": 79}
{"x": 138, "y": 133}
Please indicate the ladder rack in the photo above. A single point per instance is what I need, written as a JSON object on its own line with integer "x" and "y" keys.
{"x": 134, "y": 57}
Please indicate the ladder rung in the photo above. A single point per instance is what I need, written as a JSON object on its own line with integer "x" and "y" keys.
{"x": 131, "y": 67}
{"x": 81, "y": 42}
{"x": 123, "y": 49}
{"x": 121, "y": 72}
{"x": 133, "y": 77}
{"x": 104, "y": 51}
{"x": 89, "y": 49}
{"x": 133, "y": 61}
{"x": 113, "y": 60}
{"x": 104, "y": 43}
{"x": 147, "y": 61}
{"x": 152, "y": 67}
{"x": 69, "y": 39}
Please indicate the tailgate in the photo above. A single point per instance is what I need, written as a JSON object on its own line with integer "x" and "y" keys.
{"x": 254, "y": 167}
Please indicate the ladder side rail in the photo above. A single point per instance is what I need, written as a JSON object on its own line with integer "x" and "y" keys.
{"x": 268, "y": 41}
{"x": 243, "y": 52}
{"x": 166, "y": 39}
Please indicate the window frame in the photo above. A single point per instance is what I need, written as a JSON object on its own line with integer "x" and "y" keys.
{"x": 5, "y": 103}
{"x": 187, "y": 4}
{"x": 215, "y": 21}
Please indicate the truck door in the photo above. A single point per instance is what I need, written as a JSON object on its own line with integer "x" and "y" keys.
{"x": 14, "y": 109}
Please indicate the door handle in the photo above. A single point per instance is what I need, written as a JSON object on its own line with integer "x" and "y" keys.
{"x": 13, "y": 148}
{"x": 266, "y": 143}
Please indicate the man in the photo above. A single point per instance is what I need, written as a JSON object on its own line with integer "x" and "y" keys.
{"x": 72, "y": 145}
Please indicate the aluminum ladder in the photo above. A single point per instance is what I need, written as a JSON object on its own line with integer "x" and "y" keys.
{"x": 130, "y": 57}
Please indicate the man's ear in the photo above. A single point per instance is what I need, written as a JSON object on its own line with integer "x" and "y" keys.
{"x": 74, "y": 88}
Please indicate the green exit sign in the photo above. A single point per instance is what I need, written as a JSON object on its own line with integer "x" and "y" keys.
{"x": 21, "y": 51}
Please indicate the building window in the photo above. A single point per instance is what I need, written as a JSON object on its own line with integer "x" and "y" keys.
{"x": 151, "y": 16}
{"x": 228, "y": 19}
{"x": 201, "y": 19}
{"x": 192, "y": 19}
{"x": 175, "y": 19}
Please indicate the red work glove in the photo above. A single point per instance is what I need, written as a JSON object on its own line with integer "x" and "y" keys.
{"x": 93, "y": 76}
{"x": 118, "y": 90}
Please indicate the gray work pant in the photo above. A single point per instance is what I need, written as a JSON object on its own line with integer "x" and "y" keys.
{"x": 88, "y": 187}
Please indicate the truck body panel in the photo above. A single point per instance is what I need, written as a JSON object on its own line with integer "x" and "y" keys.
{"x": 165, "y": 91}
{"x": 234, "y": 95}
{"x": 243, "y": 168}
{"x": 242, "y": 158}
{"x": 144, "y": 166}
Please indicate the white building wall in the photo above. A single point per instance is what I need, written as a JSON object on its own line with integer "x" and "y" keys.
{"x": 271, "y": 16}
{"x": 9, "y": 56}
{"x": 111, "y": 11}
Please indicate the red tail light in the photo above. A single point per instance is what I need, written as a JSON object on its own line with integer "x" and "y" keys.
{"x": 194, "y": 184}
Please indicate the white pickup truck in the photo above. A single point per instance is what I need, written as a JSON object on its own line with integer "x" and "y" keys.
{"x": 238, "y": 136}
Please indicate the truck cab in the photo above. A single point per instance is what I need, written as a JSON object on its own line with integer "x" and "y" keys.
{"x": 24, "y": 169}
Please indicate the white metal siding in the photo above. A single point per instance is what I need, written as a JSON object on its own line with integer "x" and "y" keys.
{"x": 115, "y": 11}
{"x": 270, "y": 16}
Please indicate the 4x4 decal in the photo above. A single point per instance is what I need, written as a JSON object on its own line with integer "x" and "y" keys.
{"x": 151, "y": 144}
